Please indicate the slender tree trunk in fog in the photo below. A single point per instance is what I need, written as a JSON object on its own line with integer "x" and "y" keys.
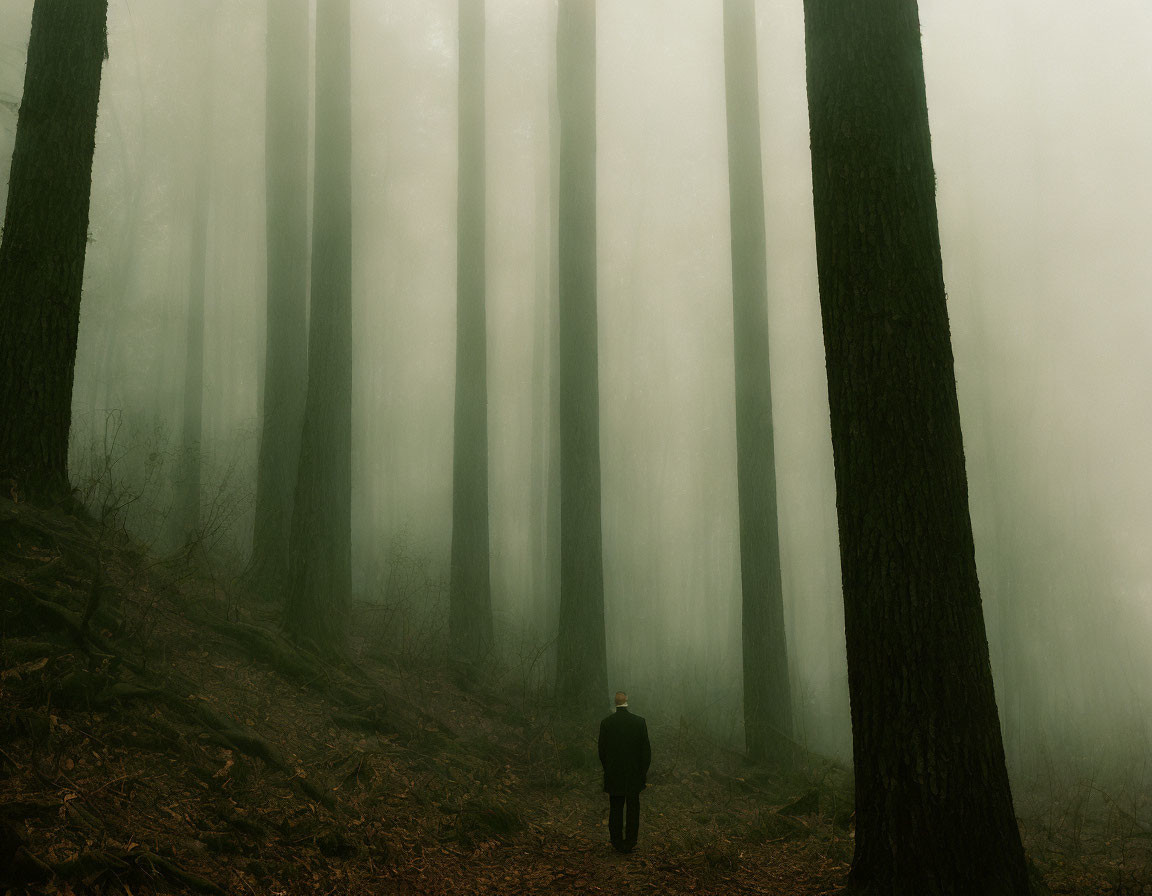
{"x": 541, "y": 443}
{"x": 552, "y": 479}
{"x": 320, "y": 550}
{"x": 186, "y": 512}
{"x": 767, "y": 694}
{"x": 44, "y": 242}
{"x": 285, "y": 367}
{"x": 470, "y": 592}
{"x": 545, "y": 366}
{"x": 581, "y": 672}
{"x": 934, "y": 812}
{"x": 94, "y": 398}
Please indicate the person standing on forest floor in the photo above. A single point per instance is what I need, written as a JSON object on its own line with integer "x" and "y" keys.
{"x": 625, "y": 753}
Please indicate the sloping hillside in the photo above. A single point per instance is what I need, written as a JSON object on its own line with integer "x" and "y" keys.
{"x": 157, "y": 735}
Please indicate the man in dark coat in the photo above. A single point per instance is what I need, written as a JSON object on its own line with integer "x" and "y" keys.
{"x": 625, "y": 754}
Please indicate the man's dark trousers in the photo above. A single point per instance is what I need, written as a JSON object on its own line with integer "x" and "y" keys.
{"x": 623, "y": 835}
{"x": 626, "y": 754}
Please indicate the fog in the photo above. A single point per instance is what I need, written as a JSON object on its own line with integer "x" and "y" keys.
{"x": 1042, "y": 132}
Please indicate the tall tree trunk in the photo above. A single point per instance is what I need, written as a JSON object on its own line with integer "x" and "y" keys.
{"x": 934, "y": 810}
{"x": 552, "y": 523}
{"x": 767, "y": 694}
{"x": 122, "y": 248}
{"x": 581, "y": 670}
{"x": 44, "y": 242}
{"x": 470, "y": 592}
{"x": 546, "y": 391}
{"x": 542, "y": 437}
{"x": 285, "y": 367}
{"x": 186, "y": 515}
{"x": 320, "y": 551}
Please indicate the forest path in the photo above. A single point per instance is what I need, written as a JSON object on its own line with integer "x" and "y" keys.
{"x": 696, "y": 836}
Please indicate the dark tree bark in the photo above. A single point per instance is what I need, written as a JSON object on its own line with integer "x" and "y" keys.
{"x": 934, "y": 811}
{"x": 581, "y": 672}
{"x": 320, "y": 552}
{"x": 285, "y": 364}
{"x": 767, "y": 694}
{"x": 44, "y": 242}
{"x": 470, "y": 592}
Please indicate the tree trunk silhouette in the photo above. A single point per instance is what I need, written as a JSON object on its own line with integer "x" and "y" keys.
{"x": 186, "y": 512}
{"x": 285, "y": 362}
{"x": 470, "y": 592}
{"x": 542, "y": 436}
{"x": 44, "y": 242}
{"x": 581, "y": 672}
{"x": 545, "y": 391}
{"x": 320, "y": 551}
{"x": 767, "y": 694}
{"x": 934, "y": 810}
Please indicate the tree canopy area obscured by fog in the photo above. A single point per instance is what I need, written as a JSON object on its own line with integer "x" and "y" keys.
{"x": 1041, "y": 118}
{"x": 1040, "y": 145}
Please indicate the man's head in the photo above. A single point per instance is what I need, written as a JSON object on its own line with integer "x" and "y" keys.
{"x": 621, "y": 699}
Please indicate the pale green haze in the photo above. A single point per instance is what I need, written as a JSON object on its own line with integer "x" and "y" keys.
{"x": 1042, "y": 136}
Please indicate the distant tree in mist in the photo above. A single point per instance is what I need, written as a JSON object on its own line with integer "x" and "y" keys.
{"x": 122, "y": 251}
{"x": 186, "y": 509}
{"x": 45, "y": 240}
{"x": 285, "y": 363}
{"x": 545, "y": 489}
{"x": 767, "y": 694}
{"x": 320, "y": 550}
{"x": 470, "y": 592}
{"x": 934, "y": 811}
{"x": 581, "y": 654}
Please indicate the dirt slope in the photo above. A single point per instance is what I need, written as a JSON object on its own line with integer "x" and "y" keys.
{"x": 157, "y": 735}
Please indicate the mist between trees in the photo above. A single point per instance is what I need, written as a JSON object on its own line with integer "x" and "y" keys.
{"x": 1041, "y": 135}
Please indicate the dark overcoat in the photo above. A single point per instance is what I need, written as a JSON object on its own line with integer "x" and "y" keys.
{"x": 625, "y": 753}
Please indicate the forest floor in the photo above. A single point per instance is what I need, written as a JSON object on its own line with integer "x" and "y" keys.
{"x": 158, "y": 735}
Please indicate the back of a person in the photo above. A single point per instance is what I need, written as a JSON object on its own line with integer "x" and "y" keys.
{"x": 625, "y": 754}
{"x": 624, "y": 738}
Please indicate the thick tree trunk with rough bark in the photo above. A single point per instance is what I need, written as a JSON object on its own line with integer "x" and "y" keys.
{"x": 320, "y": 552}
{"x": 286, "y": 353}
{"x": 934, "y": 812}
{"x": 44, "y": 242}
{"x": 470, "y": 591}
{"x": 581, "y": 672}
{"x": 767, "y": 694}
